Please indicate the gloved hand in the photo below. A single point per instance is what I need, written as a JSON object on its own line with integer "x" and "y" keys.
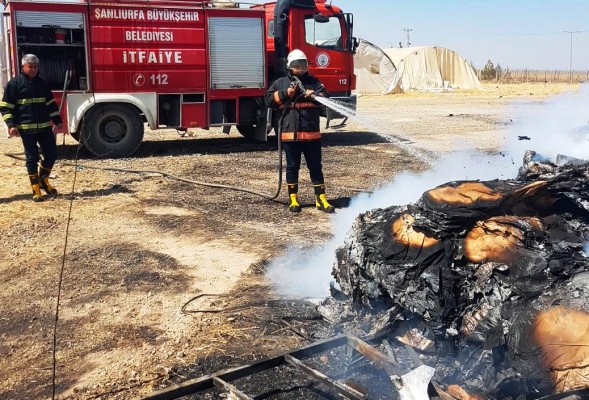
{"x": 292, "y": 90}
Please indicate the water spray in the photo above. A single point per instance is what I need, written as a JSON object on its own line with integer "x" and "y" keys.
{"x": 340, "y": 107}
{"x": 349, "y": 111}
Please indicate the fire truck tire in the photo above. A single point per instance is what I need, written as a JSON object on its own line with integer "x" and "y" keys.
{"x": 247, "y": 131}
{"x": 112, "y": 130}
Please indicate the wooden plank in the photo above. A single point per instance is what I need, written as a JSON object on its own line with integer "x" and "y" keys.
{"x": 234, "y": 393}
{"x": 207, "y": 382}
{"x": 370, "y": 352}
{"x": 339, "y": 387}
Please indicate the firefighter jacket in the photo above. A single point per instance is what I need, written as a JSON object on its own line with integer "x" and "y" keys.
{"x": 28, "y": 105}
{"x": 301, "y": 114}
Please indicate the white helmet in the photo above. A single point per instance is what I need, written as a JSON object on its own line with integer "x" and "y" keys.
{"x": 297, "y": 59}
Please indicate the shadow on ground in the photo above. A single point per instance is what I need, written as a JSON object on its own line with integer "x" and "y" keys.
{"x": 226, "y": 145}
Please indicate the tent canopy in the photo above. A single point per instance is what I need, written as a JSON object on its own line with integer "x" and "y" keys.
{"x": 422, "y": 68}
{"x": 374, "y": 70}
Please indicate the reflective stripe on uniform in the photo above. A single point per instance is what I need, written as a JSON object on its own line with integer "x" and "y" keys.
{"x": 301, "y": 136}
{"x": 300, "y": 105}
{"x": 34, "y": 126}
{"x": 7, "y": 105}
{"x": 7, "y": 117}
{"x": 54, "y": 114}
{"x": 31, "y": 100}
{"x": 305, "y": 105}
{"x": 50, "y": 101}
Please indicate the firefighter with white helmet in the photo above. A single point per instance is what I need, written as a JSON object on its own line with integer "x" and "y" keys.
{"x": 294, "y": 95}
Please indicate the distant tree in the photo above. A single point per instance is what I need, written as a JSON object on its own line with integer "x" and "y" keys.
{"x": 489, "y": 73}
{"x": 498, "y": 71}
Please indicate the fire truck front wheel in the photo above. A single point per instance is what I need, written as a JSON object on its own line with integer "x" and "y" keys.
{"x": 247, "y": 131}
{"x": 112, "y": 130}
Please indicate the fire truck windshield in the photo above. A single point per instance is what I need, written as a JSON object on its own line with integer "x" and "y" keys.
{"x": 324, "y": 32}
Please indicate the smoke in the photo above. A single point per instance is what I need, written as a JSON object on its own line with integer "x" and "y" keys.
{"x": 557, "y": 126}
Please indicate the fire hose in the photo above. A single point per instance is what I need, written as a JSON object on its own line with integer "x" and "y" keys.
{"x": 216, "y": 185}
{"x": 186, "y": 180}
{"x": 208, "y": 184}
{"x": 18, "y": 156}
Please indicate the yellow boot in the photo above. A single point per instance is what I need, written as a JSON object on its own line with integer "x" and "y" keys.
{"x": 44, "y": 181}
{"x": 293, "y": 189}
{"x": 34, "y": 179}
{"x": 321, "y": 201}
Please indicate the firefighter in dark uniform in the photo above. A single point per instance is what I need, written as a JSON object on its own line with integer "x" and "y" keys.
{"x": 27, "y": 108}
{"x": 300, "y": 127}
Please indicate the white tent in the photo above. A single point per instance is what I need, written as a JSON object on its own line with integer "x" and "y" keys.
{"x": 416, "y": 68}
{"x": 375, "y": 71}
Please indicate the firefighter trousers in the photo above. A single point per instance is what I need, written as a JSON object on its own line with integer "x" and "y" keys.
{"x": 312, "y": 151}
{"x": 46, "y": 140}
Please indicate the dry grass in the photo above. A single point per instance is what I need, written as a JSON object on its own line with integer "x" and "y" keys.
{"x": 527, "y": 89}
{"x": 508, "y": 90}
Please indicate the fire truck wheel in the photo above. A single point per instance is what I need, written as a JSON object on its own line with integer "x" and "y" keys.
{"x": 112, "y": 130}
{"x": 247, "y": 131}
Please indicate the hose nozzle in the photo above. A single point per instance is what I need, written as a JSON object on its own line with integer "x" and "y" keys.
{"x": 301, "y": 86}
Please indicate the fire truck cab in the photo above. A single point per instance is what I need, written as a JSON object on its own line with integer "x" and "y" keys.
{"x": 115, "y": 66}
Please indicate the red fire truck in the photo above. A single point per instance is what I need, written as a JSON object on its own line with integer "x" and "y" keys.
{"x": 121, "y": 64}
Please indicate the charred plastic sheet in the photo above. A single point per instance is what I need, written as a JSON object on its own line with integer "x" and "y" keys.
{"x": 491, "y": 278}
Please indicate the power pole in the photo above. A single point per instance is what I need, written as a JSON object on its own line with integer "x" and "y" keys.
{"x": 407, "y": 30}
{"x": 571, "y": 55}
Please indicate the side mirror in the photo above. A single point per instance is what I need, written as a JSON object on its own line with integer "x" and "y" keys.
{"x": 352, "y": 44}
{"x": 320, "y": 18}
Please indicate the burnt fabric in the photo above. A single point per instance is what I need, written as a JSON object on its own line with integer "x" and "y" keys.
{"x": 496, "y": 270}
{"x": 563, "y": 336}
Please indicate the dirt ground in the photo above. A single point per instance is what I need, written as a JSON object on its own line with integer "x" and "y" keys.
{"x": 138, "y": 247}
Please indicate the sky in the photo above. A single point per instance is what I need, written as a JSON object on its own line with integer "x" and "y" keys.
{"x": 519, "y": 34}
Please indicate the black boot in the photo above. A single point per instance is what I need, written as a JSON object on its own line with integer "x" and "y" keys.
{"x": 321, "y": 201}
{"x": 34, "y": 179}
{"x": 293, "y": 189}
{"x": 44, "y": 181}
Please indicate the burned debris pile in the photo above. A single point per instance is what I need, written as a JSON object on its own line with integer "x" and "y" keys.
{"x": 489, "y": 281}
